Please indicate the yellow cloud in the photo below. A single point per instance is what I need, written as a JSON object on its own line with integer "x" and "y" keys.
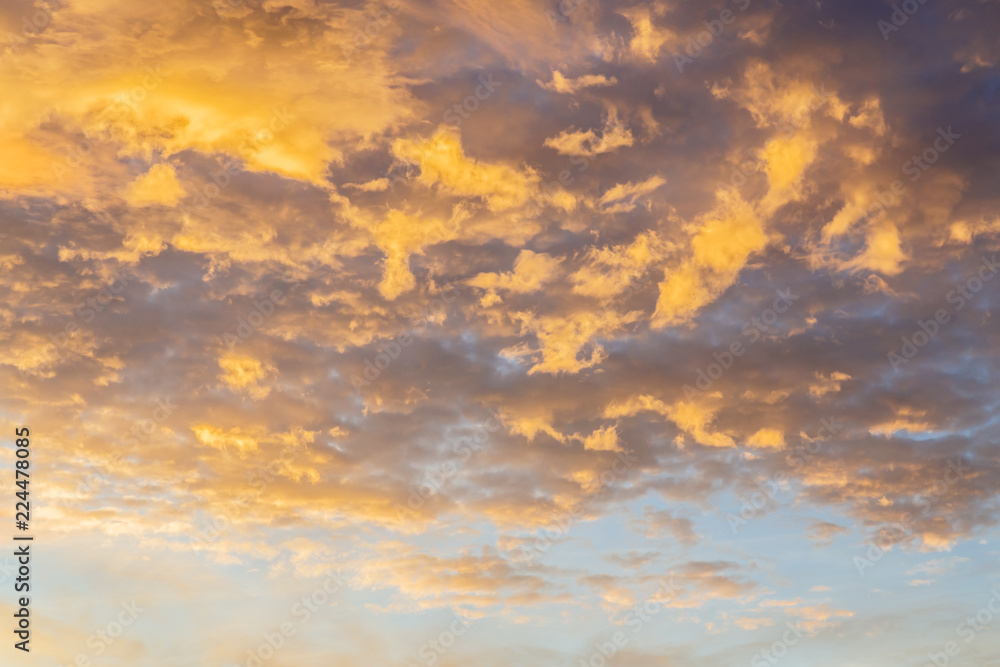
{"x": 562, "y": 84}
{"x": 622, "y": 197}
{"x": 610, "y": 271}
{"x": 883, "y": 251}
{"x": 774, "y": 99}
{"x": 587, "y": 143}
{"x": 442, "y": 160}
{"x": 244, "y": 374}
{"x": 563, "y": 338}
{"x": 157, "y": 186}
{"x": 603, "y": 440}
{"x": 198, "y": 90}
{"x": 767, "y": 438}
{"x": 235, "y": 439}
{"x": 691, "y": 418}
{"x": 725, "y": 239}
{"x": 399, "y": 235}
{"x": 787, "y": 159}
{"x": 531, "y": 271}
{"x": 647, "y": 39}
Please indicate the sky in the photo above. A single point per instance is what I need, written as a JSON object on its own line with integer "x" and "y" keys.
{"x": 521, "y": 334}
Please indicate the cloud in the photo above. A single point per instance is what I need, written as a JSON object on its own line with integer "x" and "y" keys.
{"x": 562, "y": 84}
{"x": 157, "y": 186}
{"x": 531, "y": 272}
{"x": 588, "y": 143}
{"x": 442, "y": 161}
{"x": 724, "y": 240}
{"x": 245, "y": 375}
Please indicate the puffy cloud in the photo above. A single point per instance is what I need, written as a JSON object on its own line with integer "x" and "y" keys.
{"x": 883, "y": 250}
{"x": 724, "y": 239}
{"x": 691, "y": 418}
{"x": 562, "y": 84}
{"x": 767, "y": 438}
{"x": 603, "y": 440}
{"x": 245, "y": 375}
{"x": 613, "y": 136}
{"x": 442, "y": 161}
{"x": 230, "y": 235}
{"x": 157, "y": 186}
{"x": 647, "y": 38}
{"x": 531, "y": 271}
{"x": 622, "y": 197}
{"x": 609, "y": 271}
